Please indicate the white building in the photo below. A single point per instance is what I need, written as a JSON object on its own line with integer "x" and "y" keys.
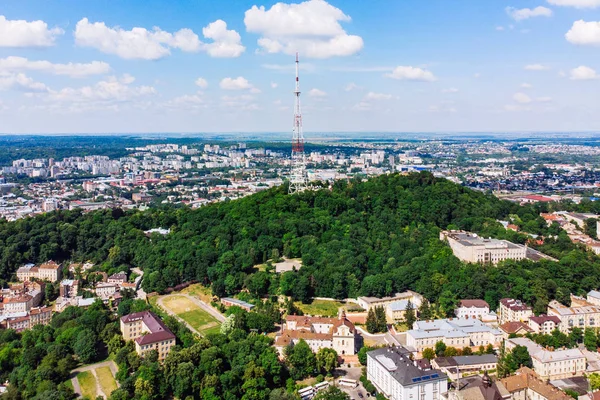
{"x": 319, "y": 332}
{"x": 456, "y": 332}
{"x": 544, "y": 324}
{"x": 397, "y": 377}
{"x": 551, "y": 364}
{"x": 469, "y": 247}
{"x": 370, "y": 302}
{"x": 472, "y": 309}
{"x": 512, "y": 310}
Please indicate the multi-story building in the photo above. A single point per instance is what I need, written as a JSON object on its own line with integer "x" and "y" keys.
{"x": 593, "y": 297}
{"x": 471, "y": 248}
{"x": 27, "y": 272}
{"x": 455, "y": 332}
{"x": 148, "y": 332}
{"x": 370, "y": 302}
{"x": 525, "y": 384}
{"x": 18, "y": 304}
{"x": 473, "y": 364}
{"x": 50, "y": 271}
{"x": 398, "y": 377}
{"x": 544, "y": 324}
{"x": 106, "y": 290}
{"x": 118, "y": 278}
{"x": 514, "y": 310}
{"x": 549, "y": 364}
{"x": 319, "y": 332}
{"x": 69, "y": 287}
{"x": 472, "y": 309}
{"x": 581, "y": 314}
{"x": 40, "y": 316}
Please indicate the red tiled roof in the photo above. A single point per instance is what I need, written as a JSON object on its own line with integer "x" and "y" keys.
{"x": 514, "y": 327}
{"x": 543, "y": 318}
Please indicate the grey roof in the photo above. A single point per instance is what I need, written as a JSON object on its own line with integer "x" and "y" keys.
{"x": 476, "y": 359}
{"x": 397, "y": 362}
{"x": 594, "y": 293}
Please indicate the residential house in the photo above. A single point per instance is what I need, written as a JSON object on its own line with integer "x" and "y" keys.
{"x": 514, "y": 310}
{"x": 472, "y": 309}
{"x": 544, "y": 324}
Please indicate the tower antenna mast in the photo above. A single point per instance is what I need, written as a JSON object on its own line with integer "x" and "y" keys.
{"x": 298, "y": 178}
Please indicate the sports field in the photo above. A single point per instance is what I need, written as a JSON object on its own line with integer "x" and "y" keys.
{"x": 191, "y": 313}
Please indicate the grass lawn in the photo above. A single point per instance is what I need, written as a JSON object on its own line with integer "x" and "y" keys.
{"x": 87, "y": 383}
{"x": 202, "y": 321}
{"x": 199, "y": 291}
{"x": 69, "y": 384}
{"x": 106, "y": 379}
{"x": 324, "y": 308}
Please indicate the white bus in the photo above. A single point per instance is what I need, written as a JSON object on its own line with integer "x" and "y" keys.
{"x": 322, "y": 385}
{"x": 306, "y": 393}
{"x": 348, "y": 382}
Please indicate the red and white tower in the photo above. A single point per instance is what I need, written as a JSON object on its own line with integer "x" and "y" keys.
{"x": 298, "y": 178}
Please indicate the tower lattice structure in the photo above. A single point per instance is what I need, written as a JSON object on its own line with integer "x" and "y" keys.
{"x": 298, "y": 177}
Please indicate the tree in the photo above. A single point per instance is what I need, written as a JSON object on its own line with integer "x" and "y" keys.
{"x": 594, "y": 380}
{"x": 372, "y": 326}
{"x": 425, "y": 311}
{"x": 590, "y": 227}
{"x": 409, "y": 314}
{"x": 429, "y": 353}
{"x": 590, "y": 339}
{"x": 467, "y": 351}
{"x": 85, "y": 346}
{"x": 331, "y": 393}
{"x": 301, "y": 360}
{"x": 450, "y": 352}
{"x": 489, "y": 349}
{"x": 575, "y": 336}
{"x": 519, "y": 357}
{"x": 327, "y": 360}
{"x": 440, "y": 348}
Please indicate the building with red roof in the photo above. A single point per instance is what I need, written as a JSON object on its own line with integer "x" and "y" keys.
{"x": 148, "y": 332}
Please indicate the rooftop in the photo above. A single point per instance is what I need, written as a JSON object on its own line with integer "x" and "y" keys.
{"x": 157, "y": 329}
{"x": 396, "y": 360}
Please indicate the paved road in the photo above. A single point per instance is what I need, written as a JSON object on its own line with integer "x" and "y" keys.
{"x": 92, "y": 368}
{"x": 196, "y": 301}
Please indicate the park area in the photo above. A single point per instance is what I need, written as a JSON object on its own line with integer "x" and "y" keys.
{"x": 93, "y": 381}
{"x": 186, "y": 309}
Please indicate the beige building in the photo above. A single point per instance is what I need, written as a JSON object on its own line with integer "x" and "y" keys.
{"x": 48, "y": 271}
{"x": 527, "y": 385}
{"x": 148, "y": 332}
{"x": 544, "y": 324}
{"x": 549, "y": 364}
{"x": 469, "y": 247}
{"x": 581, "y": 314}
{"x": 458, "y": 333}
{"x": 370, "y": 302}
{"x": 106, "y": 290}
{"x": 338, "y": 334}
{"x": 512, "y": 310}
{"x": 18, "y": 304}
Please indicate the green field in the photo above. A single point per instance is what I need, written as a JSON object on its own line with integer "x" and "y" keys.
{"x": 106, "y": 379}
{"x": 69, "y": 384}
{"x": 191, "y": 313}
{"x": 324, "y": 308}
{"x": 87, "y": 383}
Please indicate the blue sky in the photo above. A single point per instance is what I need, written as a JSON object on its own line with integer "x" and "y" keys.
{"x": 227, "y": 66}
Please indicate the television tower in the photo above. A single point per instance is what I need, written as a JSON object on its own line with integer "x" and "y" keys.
{"x": 298, "y": 178}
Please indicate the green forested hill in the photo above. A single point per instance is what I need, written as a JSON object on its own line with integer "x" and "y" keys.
{"x": 362, "y": 238}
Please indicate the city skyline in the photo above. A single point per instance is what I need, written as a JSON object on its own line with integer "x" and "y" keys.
{"x": 398, "y": 66}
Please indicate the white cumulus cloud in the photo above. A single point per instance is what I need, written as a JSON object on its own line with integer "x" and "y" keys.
{"x": 141, "y": 43}
{"x": 521, "y": 98}
{"x": 584, "y": 33}
{"x": 526, "y": 85}
{"x": 75, "y": 70}
{"x": 411, "y": 74}
{"x": 239, "y": 83}
{"x": 201, "y": 83}
{"x": 316, "y": 93}
{"x": 576, "y": 3}
{"x": 351, "y": 86}
{"x": 526, "y": 13}
{"x": 536, "y": 67}
{"x": 378, "y": 96}
{"x": 583, "y": 73}
{"x": 226, "y": 43}
{"x": 21, "y": 33}
{"x": 312, "y": 27}
{"x": 20, "y": 81}
{"x": 450, "y": 90}
{"x": 112, "y": 89}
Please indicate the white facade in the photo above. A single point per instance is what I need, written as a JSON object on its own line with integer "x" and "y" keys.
{"x": 398, "y": 378}
{"x": 512, "y": 310}
{"x": 469, "y": 247}
{"x": 472, "y": 309}
{"x": 456, "y": 332}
